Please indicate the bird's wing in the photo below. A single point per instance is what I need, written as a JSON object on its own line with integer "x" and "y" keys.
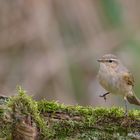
{"x": 131, "y": 97}
{"x": 128, "y": 78}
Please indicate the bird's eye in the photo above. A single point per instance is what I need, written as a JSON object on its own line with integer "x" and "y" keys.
{"x": 110, "y": 61}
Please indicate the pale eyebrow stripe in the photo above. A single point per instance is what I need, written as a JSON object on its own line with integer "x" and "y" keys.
{"x": 106, "y": 60}
{"x": 113, "y": 59}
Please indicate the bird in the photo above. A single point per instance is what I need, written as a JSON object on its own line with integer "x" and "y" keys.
{"x": 116, "y": 79}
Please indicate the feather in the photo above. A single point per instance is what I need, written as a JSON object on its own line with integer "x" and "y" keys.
{"x": 132, "y": 99}
{"x": 128, "y": 78}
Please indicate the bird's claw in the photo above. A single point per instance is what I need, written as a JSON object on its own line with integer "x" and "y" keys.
{"x": 104, "y": 96}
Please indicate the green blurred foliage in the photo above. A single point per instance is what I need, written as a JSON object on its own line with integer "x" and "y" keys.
{"x": 112, "y": 12}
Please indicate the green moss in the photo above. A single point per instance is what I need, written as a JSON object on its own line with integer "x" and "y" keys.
{"x": 60, "y": 122}
{"x": 73, "y": 120}
{"x": 134, "y": 114}
{"x": 5, "y": 122}
{"x": 25, "y": 105}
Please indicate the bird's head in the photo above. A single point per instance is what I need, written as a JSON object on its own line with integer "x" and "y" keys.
{"x": 109, "y": 61}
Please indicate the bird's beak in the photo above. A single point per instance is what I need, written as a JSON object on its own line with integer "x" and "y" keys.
{"x": 100, "y": 60}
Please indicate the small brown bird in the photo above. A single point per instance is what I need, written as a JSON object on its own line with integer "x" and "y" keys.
{"x": 116, "y": 79}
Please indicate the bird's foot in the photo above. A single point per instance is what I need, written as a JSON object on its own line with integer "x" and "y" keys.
{"x": 104, "y": 96}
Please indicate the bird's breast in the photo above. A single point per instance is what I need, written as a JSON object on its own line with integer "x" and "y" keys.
{"x": 110, "y": 81}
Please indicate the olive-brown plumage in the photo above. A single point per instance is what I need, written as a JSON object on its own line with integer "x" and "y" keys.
{"x": 116, "y": 78}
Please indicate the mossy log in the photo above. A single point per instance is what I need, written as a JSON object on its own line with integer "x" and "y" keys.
{"x": 23, "y": 118}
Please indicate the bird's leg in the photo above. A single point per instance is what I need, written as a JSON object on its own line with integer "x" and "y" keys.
{"x": 104, "y": 95}
{"x": 126, "y": 109}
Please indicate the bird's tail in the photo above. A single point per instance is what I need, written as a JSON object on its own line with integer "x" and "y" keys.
{"x": 132, "y": 99}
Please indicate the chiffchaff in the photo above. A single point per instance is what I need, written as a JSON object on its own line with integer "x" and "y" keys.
{"x": 116, "y": 79}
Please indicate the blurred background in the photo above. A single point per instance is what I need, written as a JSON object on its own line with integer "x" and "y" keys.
{"x": 50, "y": 47}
